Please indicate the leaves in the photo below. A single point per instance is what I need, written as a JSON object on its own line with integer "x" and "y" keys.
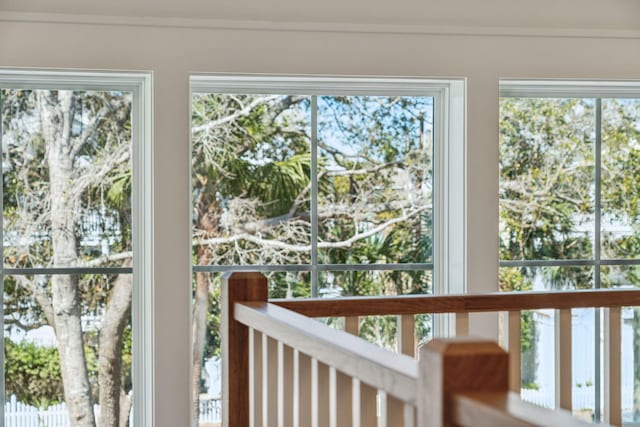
{"x": 33, "y": 373}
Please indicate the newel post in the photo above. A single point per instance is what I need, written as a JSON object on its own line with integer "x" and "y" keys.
{"x": 457, "y": 365}
{"x": 237, "y": 287}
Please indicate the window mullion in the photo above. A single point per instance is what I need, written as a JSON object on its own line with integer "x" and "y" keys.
{"x": 2, "y": 385}
{"x": 598, "y": 190}
{"x": 314, "y": 196}
{"x": 596, "y": 252}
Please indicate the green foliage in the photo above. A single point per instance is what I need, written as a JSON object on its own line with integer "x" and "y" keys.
{"x": 33, "y": 374}
{"x": 547, "y": 195}
{"x": 547, "y": 164}
{"x": 252, "y": 174}
{"x": 101, "y": 213}
{"x": 546, "y": 175}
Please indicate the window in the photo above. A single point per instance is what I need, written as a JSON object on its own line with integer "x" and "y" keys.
{"x": 332, "y": 187}
{"x": 75, "y": 168}
{"x": 569, "y": 175}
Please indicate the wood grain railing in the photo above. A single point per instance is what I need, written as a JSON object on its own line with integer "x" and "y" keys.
{"x": 281, "y": 368}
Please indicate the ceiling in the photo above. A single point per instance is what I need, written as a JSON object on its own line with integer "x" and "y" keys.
{"x": 569, "y": 14}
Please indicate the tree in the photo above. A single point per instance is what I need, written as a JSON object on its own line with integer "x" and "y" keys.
{"x": 547, "y": 192}
{"x": 63, "y": 146}
{"x": 546, "y": 170}
{"x": 251, "y": 189}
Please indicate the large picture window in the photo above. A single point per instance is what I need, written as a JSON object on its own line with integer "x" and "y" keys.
{"x": 569, "y": 211}
{"x": 329, "y": 187}
{"x": 71, "y": 147}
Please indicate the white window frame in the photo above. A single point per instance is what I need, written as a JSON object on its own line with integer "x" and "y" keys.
{"x": 140, "y": 85}
{"x": 449, "y": 263}
{"x": 597, "y": 90}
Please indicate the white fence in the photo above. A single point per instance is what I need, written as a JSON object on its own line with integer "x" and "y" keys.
{"x": 18, "y": 414}
{"x": 583, "y": 400}
{"x": 210, "y": 411}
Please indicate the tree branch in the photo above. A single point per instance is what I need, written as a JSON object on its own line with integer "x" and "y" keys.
{"x": 236, "y": 115}
{"x": 93, "y": 125}
{"x": 109, "y": 258}
{"x": 25, "y": 327}
{"x": 363, "y": 171}
{"x": 40, "y": 294}
{"x": 305, "y": 248}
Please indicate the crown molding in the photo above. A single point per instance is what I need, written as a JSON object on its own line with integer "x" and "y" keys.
{"x": 317, "y": 27}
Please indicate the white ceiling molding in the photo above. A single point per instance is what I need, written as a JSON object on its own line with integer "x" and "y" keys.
{"x": 332, "y": 27}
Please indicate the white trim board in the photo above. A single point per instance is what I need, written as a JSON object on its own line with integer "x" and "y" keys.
{"x": 321, "y": 27}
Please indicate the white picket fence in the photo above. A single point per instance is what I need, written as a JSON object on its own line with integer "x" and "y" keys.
{"x": 18, "y": 414}
{"x": 210, "y": 411}
{"x": 583, "y": 400}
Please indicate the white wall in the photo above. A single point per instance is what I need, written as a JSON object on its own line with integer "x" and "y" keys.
{"x": 585, "y": 40}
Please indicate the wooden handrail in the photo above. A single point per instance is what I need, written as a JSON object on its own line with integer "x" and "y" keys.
{"x": 507, "y": 409}
{"x": 279, "y": 365}
{"x": 463, "y": 382}
{"x": 392, "y": 373}
{"x": 419, "y": 304}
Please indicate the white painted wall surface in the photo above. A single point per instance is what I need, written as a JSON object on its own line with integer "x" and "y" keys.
{"x": 481, "y": 41}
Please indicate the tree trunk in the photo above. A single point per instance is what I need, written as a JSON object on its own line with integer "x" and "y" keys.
{"x": 115, "y": 320}
{"x": 126, "y": 402}
{"x": 208, "y": 214}
{"x": 199, "y": 326}
{"x": 57, "y": 120}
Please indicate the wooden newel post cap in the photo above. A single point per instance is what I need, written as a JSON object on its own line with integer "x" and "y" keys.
{"x": 457, "y": 365}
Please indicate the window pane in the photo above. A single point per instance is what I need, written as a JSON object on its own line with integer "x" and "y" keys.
{"x": 538, "y": 357}
{"x": 381, "y": 330}
{"x": 546, "y": 178}
{"x": 207, "y": 365}
{"x": 66, "y": 177}
{"x": 289, "y": 284}
{"x": 545, "y": 278}
{"x": 251, "y": 187}
{"x": 374, "y": 283}
{"x": 207, "y": 310}
{"x": 628, "y": 277}
{"x": 620, "y": 177}
{"x": 376, "y": 179}
{"x": 538, "y": 336}
{"x": 631, "y": 364}
{"x": 538, "y": 360}
{"x": 94, "y": 334}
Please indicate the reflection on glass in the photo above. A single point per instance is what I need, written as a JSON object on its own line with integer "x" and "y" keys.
{"x": 620, "y": 172}
{"x": 375, "y": 179}
{"x": 66, "y": 177}
{"x": 93, "y": 333}
{"x": 546, "y": 178}
{"x": 251, "y": 169}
